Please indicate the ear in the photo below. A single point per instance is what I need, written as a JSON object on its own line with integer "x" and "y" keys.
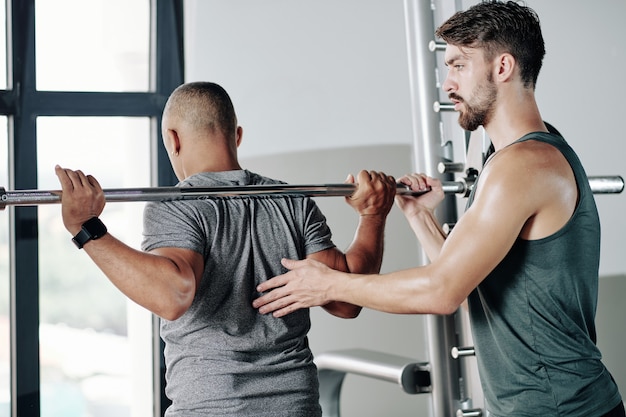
{"x": 173, "y": 140}
{"x": 239, "y": 135}
{"x": 505, "y": 67}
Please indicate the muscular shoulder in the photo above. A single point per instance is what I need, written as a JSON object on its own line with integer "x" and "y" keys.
{"x": 537, "y": 177}
{"x": 530, "y": 153}
{"x": 528, "y": 163}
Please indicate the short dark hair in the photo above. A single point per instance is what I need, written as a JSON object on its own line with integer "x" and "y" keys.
{"x": 204, "y": 105}
{"x": 497, "y": 27}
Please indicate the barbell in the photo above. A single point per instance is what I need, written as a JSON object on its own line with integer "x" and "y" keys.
{"x": 599, "y": 185}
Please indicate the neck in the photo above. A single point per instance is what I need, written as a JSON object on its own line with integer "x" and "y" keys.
{"x": 209, "y": 159}
{"x": 515, "y": 115}
{"x": 212, "y": 165}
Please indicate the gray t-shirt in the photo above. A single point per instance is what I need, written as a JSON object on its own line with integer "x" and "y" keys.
{"x": 222, "y": 356}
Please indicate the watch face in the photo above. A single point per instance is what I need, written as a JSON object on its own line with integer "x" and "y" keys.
{"x": 92, "y": 229}
{"x": 95, "y": 228}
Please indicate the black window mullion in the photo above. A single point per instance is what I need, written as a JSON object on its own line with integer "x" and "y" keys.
{"x": 62, "y": 103}
{"x": 169, "y": 70}
{"x": 169, "y": 63}
{"x": 25, "y": 381}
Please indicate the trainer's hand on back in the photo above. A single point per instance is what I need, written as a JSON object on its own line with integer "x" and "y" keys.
{"x": 304, "y": 286}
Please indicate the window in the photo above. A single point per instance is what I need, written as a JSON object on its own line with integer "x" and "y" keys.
{"x": 95, "y": 345}
{"x": 85, "y": 86}
{"x": 92, "y": 45}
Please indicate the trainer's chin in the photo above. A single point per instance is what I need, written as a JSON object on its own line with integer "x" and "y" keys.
{"x": 469, "y": 123}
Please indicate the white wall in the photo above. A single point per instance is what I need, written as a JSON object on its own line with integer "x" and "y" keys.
{"x": 305, "y": 74}
{"x": 321, "y": 90}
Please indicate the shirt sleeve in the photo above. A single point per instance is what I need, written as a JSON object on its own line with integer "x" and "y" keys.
{"x": 318, "y": 235}
{"x": 172, "y": 224}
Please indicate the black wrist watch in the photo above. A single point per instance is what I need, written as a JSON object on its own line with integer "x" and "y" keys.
{"x": 92, "y": 229}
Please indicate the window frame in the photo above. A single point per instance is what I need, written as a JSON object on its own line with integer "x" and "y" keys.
{"x": 22, "y": 103}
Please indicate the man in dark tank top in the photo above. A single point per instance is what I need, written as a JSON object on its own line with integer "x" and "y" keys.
{"x": 525, "y": 254}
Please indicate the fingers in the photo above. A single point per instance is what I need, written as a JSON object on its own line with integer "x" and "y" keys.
{"x": 271, "y": 284}
{"x": 82, "y": 197}
{"x": 417, "y": 182}
{"x": 278, "y": 304}
{"x": 365, "y": 177}
{"x": 277, "y": 301}
{"x": 374, "y": 182}
{"x": 292, "y": 263}
{"x": 279, "y": 298}
{"x": 63, "y": 178}
{"x": 93, "y": 181}
{"x": 374, "y": 194}
{"x": 73, "y": 180}
{"x": 279, "y": 280}
{"x": 368, "y": 177}
{"x": 70, "y": 179}
{"x": 420, "y": 182}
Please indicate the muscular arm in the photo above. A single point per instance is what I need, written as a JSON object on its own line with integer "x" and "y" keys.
{"x": 164, "y": 281}
{"x": 507, "y": 205}
{"x": 465, "y": 259}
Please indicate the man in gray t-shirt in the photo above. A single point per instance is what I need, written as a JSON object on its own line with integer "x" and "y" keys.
{"x": 221, "y": 352}
{"x": 203, "y": 259}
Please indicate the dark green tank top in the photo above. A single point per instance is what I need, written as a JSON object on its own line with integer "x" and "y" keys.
{"x": 533, "y": 318}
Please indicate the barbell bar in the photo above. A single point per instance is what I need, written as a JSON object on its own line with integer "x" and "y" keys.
{"x": 36, "y": 197}
{"x": 599, "y": 185}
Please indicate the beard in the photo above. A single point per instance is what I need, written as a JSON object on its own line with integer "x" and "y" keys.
{"x": 479, "y": 109}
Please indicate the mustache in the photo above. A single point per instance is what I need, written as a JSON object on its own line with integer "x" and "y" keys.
{"x": 454, "y": 96}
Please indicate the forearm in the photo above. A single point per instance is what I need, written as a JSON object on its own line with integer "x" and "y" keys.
{"x": 365, "y": 253}
{"x": 154, "y": 282}
{"x": 411, "y": 291}
{"x": 429, "y": 232}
